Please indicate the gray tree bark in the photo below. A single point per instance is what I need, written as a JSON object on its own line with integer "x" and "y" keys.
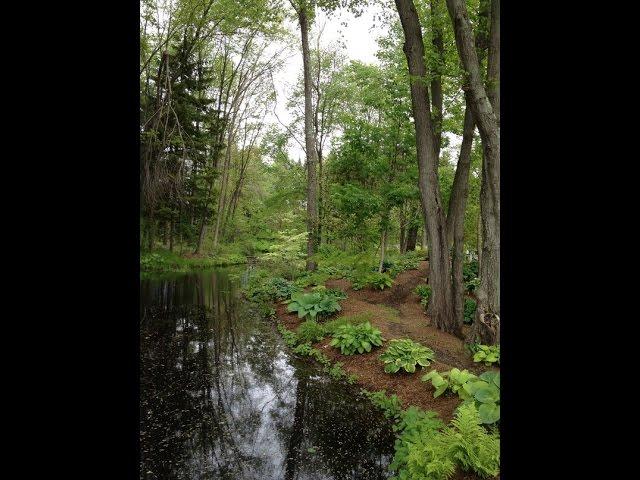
{"x": 310, "y": 147}
{"x": 441, "y": 305}
{"x": 486, "y": 327}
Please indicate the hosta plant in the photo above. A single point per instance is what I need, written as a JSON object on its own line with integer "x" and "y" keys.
{"x": 452, "y": 380}
{"x": 356, "y": 338}
{"x": 374, "y": 280}
{"x": 489, "y": 354}
{"x": 485, "y": 393}
{"x": 313, "y": 304}
{"x": 406, "y": 354}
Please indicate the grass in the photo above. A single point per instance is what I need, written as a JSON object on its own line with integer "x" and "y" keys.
{"x": 160, "y": 261}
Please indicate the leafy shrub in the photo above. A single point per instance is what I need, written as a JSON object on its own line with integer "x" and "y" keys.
{"x": 470, "y": 275}
{"x": 453, "y": 380}
{"x": 310, "y": 331}
{"x": 406, "y": 354}
{"x": 485, "y": 393}
{"x": 290, "y": 338}
{"x": 408, "y": 261}
{"x": 424, "y": 292}
{"x": 469, "y": 310}
{"x": 311, "y": 278}
{"x": 313, "y": 304}
{"x": 472, "y": 285}
{"x": 373, "y": 280}
{"x": 331, "y": 326}
{"x": 391, "y": 406}
{"x": 489, "y": 354}
{"x": 334, "y": 292}
{"x": 356, "y": 338}
{"x": 469, "y": 444}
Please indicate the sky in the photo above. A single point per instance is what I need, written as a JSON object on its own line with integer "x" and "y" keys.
{"x": 359, "y": 39}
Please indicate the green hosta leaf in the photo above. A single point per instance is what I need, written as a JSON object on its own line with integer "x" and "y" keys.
{"x": 487, "y": 394}
{"x": 479, "y": 356}
{"x": 440, "y": 390}
{"x": 489, "y": 412}
{"x": 410, "y": 367}
{"x": 391, "y": 368}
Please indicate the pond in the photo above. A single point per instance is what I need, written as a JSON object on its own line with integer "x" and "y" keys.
{"x": 222, "y": 398}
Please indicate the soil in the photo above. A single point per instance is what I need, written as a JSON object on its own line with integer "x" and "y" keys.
{"x": 397, "y": 313}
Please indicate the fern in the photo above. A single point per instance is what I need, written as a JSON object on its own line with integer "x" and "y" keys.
{"x": 469, "y": 444}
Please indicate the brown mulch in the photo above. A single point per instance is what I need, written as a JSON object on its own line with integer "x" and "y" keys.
{"x": 398, "y": 314}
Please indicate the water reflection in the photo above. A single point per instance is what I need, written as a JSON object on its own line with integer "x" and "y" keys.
{"x": 221, "y": 398}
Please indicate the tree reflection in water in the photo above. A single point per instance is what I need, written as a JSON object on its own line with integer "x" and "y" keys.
{"x": 221, "y": 398}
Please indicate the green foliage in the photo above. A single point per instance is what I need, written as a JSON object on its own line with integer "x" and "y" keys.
{"x": 470, "y": 275}
{"x": 310, "y": 331}
{"x": 453, "y": 380}
{"x": 470, "y": 306}
{"x": 407, "y": 261}
{"x": 489, "y": 354}
{"x": 485, "y": 393}
{"x": 372, "y": 279}
{"x": 262, "y": 288}
{"x": 331, "y": 326}
{"x": 418, "y": 429}
{"x": 290, "y": 338}
{"x": 469, "y": 444}
{"x": 356, "y": 338}
{"x": 424, "y": 292}
{"x": 313, "y": 304}
{"x": 159, "y": 261}
{"x": 390, "y": 405}
{"x": 406, "y": 353}
{"x": 425, "y": 450}
{"x": 307, "y": 279}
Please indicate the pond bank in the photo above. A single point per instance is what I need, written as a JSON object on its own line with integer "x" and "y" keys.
{"x": 397, "y": 313}
{"x": 165, "y": 261}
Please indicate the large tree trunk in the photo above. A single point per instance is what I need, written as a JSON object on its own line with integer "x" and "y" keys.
{"x": 310, "y": 147}
{"x": 455, "y": 216}
{"x": 486, "y": 327}
{"x": 441, "y": 305}
{"x": 412, "y": 236}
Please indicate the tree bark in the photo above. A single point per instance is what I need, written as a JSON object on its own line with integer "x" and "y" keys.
{"x": 412, "y": 236}
{"x": 441, "y": 305}
{"x": 383, "y": 249}
{"x": 310, "y": 147}
{"x": 455, "y": 216}
{"x": 486, "y": 327}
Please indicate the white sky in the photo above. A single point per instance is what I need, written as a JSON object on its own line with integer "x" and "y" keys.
{"x": 359, "y": 39}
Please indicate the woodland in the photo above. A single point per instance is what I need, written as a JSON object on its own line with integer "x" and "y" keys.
{"x": 364, "y": 199}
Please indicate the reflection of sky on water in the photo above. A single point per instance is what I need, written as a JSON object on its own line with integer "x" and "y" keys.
{"x": 221, "y": 398}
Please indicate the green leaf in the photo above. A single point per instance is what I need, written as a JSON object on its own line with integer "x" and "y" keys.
{"x": 489, "y": 412}
{"x": 487, "y": 394}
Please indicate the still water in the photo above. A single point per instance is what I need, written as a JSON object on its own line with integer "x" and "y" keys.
{"x": 221, "y": 398}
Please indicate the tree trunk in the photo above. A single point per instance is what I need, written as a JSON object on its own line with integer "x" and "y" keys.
{"x": 455, "y": 216}
{"x": 486, "y": 327}
{"x": 312, "y": 181}
{"x": 383, "y": 249}
{"x": 412, "y": 237}
{"x": 403, "y": 236}
{"x": 441, "y": 304}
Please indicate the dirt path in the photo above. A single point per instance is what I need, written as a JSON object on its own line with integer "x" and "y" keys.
{"x": 398, "y": 314}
